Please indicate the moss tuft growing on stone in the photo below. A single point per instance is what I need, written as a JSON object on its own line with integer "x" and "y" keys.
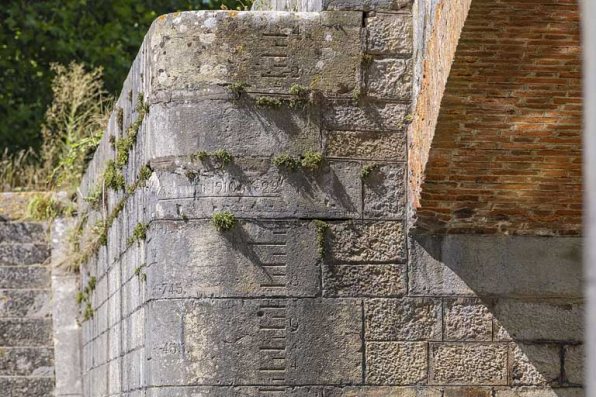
{"x": 224, "y": 221}
{"x": 113, "y": 177}
{"x": 223, "y": 157}
{"x": 269, "y": 102}
{"x": 312, "y": 161}
{"x": 300, "y": 91}
{"x": 367, "y": 170}
{"x": 286, "y": 161}
{"x": 321, "y": 228}
{"x": 139, "y": 233}
{"x": 367, "y": 58}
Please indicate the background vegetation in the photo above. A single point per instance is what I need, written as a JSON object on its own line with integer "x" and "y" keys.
{"x": 61, "y": 62}
{"x": 96, "y": 33}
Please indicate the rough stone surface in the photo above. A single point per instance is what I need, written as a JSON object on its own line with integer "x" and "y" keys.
{"x": 266, "y": 342}
{"x": 27, "y": 387}
{"x": 468, "y": 364}
{"x": 574, "y": 364}
{"x": 467, "y": 320}
{"x": 390, "y": 34}
{"x": 366, "y": 145}
{"x": 396, "y": 363}
{"x": 535, "y": 365}
{"x": 390, "y": 78}
{"x": 404, "y": 319}
{"x": 25, "y": 303}
{"x": 256, "y": 259}
{"x": 300, "y": 391}
{"x": 470, "y": 265}
{"x": 349, "y": 115}
{"x": 366, "y": 242}
{"x": 467, "y": 392}
{"x": 384, "y": 194}
{"x": 540, "y": 392}
{"x": 364, "y": 280}
{"x": 538, "y": 320}
{"x": 24, "y": 361}
{"x": 255, "y": 188}
{"x": 23, "y": 254}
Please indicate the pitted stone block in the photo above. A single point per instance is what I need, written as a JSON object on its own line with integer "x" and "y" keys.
{"x": 385, "y": 192}
{"x": 370, "y": 242}
{"x": 350, "y": 115}
{"x": 267, "y": 51}
{"x": 319, "y": 5}
{"x": 390, "y": 79}
{"x": 23, "y": 254}
{"x": 34, "y": 277}
{"x": 255, "y": 188}
{"x": 390, "y": 34}
{"x": 25, "y": 303}
{"x": 364, "y": 280}
{"x": 239, "y": 126}
{"x": 25, "y": 332}
{"x": 256, "y": 259}
{"x": 407, "y": 319}
{"x": 467, "y": 320}
{"x": 254, "y": 342}
{"x": 374, "y": 146}
{"x": 26, "y": 361}
{"x": 468, "y": 364}
{"x": 396, "y": 363}
{"x": 299, "y": 391}
{"x": 540, "y": 392}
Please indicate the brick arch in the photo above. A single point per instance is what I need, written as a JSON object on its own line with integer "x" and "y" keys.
{"x": 506, "y": 155}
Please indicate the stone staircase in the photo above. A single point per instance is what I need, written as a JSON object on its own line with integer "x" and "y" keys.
{"x": 26, "y": 344}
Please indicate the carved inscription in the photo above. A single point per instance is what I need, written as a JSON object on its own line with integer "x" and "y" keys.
{"x": 276, "y": 68}
{"x": 272, "y": 351}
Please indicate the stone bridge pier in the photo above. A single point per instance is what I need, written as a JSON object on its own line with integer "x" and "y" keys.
{"x": 296, "y": 125}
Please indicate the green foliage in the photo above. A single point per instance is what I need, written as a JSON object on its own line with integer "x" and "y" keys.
{"x": 356, "y": 94}
{"x": 92, "y": 283}
{"x": 238, "y": 88}
{"x": 321, "y": 228}
{"x": 286, "y": 161}
{"x": 223, "y": 157}
{"x": 88, "y": 313}
{"x": 367, "y": 58}
{"x": 43, "y": 207}
{"x": 81, "y": 297}
{"x": 224, "y": 221}
{"x": 144, "y": 175}
{"x": 113, "y": 177}
{"x": 93, "y": 197}
{"x": 33, "y": 34}
{"x": 312, "y": 161}
{"x": 367, "y": 170}
{"x": 139, "y": 233}
{"x": 269, "y": 102}
{"x": 300, "y": 91}
{"x": 120, "y": 119}
{"x": 123, "y": 146}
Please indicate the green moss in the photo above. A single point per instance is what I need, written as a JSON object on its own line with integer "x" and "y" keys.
{"x": 142, "y": 107}
{"x": 138, "y": 271}
{"x": 123, "y": 146}
{"x": 144, "y": 175}
{"x": 92, "y": 283}
{"x": 113, "y": 177}
{"x": 312, "y": 161}
{"x": 321, "y": 228}
{"x": 286, "y": 161}
{"x": 367, "y": 170}
{"x": 43, "y": 207}
{"x": 269, "y": 102}
{"x": 367, "y": 58}
{"x": 94, "y": 196}
{"x": 200, "y": 156}
{"x": 409, "y": 118}
{"x": 112, "y": 141}
{"x": 238, "y": 88}
{"x": 139, "y": 233}
{"x": 223, "y": 157}
{"x": 190, "y": 175}
{"x": 88, "y": 313}
{"x": 300, "y": 91}
{"x": 356, "y": 93}
{"x": 81, "y": 297}
{"x": 120, "y": 119}
{"x": 143, "y": 277}
{"x": 224, "y": 221}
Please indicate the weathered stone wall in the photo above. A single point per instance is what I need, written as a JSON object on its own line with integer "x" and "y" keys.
{"x": 26, "y": 344}
{"x": 506, "y": 157}
{"x": 282, "y": 304}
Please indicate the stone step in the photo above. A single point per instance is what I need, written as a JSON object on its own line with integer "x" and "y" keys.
{"x": 23, "y": 232}
{"x": 24, "y": 254}
{"x": 25, "y": 332}
{"x": 25, "y": 303}
{"x": 26, "y": 361}
{"x": 27, "y": 387}
{"x": 24, "y": 277}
